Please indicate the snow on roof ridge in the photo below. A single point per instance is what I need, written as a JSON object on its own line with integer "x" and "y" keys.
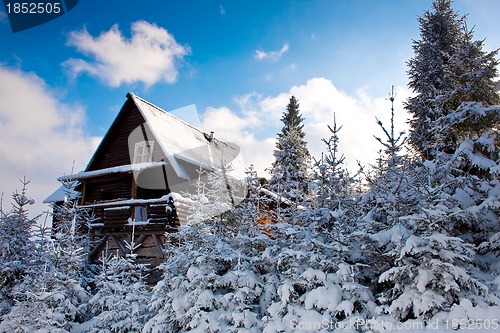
{"x": 166, "y": 112}
{"x": 134, "y": 96}
{"x": 107, "y": 171}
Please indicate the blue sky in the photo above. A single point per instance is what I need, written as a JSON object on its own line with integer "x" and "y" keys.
{"x": 62, "y": 83}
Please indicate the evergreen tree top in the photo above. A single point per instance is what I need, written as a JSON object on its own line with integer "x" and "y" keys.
{"x": 440, "y": 32}
{"x": 449, "y": 68}
{"x": 292, "y": 119}
{"x": 290, "y": 174}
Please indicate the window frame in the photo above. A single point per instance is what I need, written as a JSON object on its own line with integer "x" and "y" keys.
{"x": 143, "y": 157}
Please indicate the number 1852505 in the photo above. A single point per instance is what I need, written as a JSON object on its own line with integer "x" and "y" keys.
{"x": 33, "y": 8}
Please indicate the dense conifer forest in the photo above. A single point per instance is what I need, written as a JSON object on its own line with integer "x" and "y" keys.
{"x": 410, "y": 243}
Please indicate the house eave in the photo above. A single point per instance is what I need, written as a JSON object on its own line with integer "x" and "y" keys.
{"x": 136, "y": 167}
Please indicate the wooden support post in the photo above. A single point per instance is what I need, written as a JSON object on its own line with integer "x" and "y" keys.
{"x": 97, "y": 249}
{"x": 84, "y": 192}
{"x": 159, "y": 245}
{"x": 121, "y": 247}
{"x": 165, "y": 179}
{"x": 133, "y": 195}
{"x": 133, "y": 191}
{"x": 140, "y": 240}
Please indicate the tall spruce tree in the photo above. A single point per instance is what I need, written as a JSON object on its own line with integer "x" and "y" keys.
{"x": 476, "y": 71}
{"x": 477, "y": 117}
{"x": 290, "y": 170}
{"x": 38, "y": 272}
{"x": 432, "y": 76}
{"x": 121, "y": 301}
{"x": 17, "y": 250}
{"x": 449, "y": 68}
{"x": 454, "y": 127}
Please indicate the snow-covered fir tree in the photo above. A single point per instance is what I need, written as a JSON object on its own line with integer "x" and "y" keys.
{"x": 432, "y": 76}
{"x": 69, "y": 234}
{"x": 209, "y": 284}
{"x": 328, "y": 172}
{"x": 389, "y": 191}
{"x": 290, "y": 170}
{"x": 312, "y": 280}
{"x": 254, "y": 202}
{"x": 393, "y": 143}
{"x": 448, "y": 69}
{"x": 476, "y": 71}
{"x": 50, "y": 297}
{"x": 121, "y": 302}
{"x": 17, "y": 250}
{"x": 462, "y": 136}
{"x": 390, "y": 195}
{"x": 429, "y": 268}
{"x": 421, "y": 243}
{"x": 216, "y": 195}
{"x": 434, "y": 268}
{"x": 334, "y": 210}
{"x": 450, "y": 204}
{"x": 52, "y": 302}
{"x": 253, "y": 283}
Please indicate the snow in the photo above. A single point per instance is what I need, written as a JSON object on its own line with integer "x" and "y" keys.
{"x": 136, "y": 167}
{"x": 64, "y": 193}
{"x": 327, "y": 298}
{"x": 476, "y": 159}
{"x": 132, "y": 222}
{"x": 181, "y": 141}
{"x": 59, "y": 195}
{"x": 400, "y": 257}
{"x": 312, "y": 274}
{"x": 394, "y": 234}
{"x": 423, "y": 278}
{"x": 130, "y": 202}
{"x": 463, "y": 198}
{"x": 275, "y": 196}
{"x": 117, "y": 208}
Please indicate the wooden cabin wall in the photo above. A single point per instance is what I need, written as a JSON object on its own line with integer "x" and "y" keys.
{"x": 143, "y": 193}
{"x": 113, "y": 151}
{"x": 110, "y": 190}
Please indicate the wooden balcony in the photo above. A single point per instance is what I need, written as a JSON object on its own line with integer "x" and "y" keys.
{"x": 145, "y": 215}
{"x": 141, "y": 221}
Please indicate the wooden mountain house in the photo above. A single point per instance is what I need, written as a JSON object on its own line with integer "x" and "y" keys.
{"x": 146, "y": 155}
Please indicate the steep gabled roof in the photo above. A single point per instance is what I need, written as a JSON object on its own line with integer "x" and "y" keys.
{"x": 137, "y": 167}
{"x": 180, "y": 142}
{"x": 183, "y": 142}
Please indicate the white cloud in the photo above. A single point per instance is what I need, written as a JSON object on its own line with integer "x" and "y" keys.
{"x": 272, "y": 56}
{"x": 319, "y": 99}
{"x": 3, "y": 16}
{"x": 292, "y": 67}
{"x": 41, "y": 136}
{"x": 222, "y": 10}
{"x": 150, "y": 56}
{"x": 230, "y": 127}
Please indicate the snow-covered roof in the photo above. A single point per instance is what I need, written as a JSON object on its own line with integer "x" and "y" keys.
{"x": 183, "y": 142}
{"x": 180, "y": 142}
{"x": 62, "y": 194}
{"x": 276, "y": 196}
{"x": 58, "y": 196}
{"x": 108, "y": 171}
{"x": 130, "y": 202}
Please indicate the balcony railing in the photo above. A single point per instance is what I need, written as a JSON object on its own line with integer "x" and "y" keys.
{"x": 134, "y": 212}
